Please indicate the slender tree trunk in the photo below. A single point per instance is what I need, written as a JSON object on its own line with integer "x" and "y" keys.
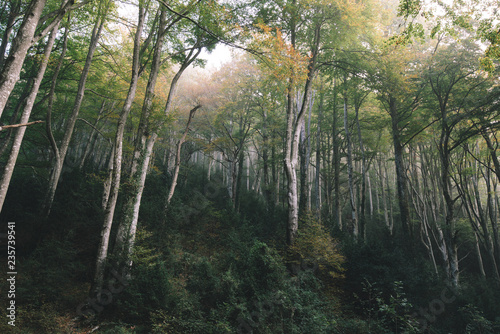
{"x": 449, "y": 235}
{"x": 305, "y": 154}
{"x": 48, "y": 124}
{"x": 125, "y": 237}
{"x": 290, "y": 165}
{"x": 28, "y": 107}
{"x": 234, "y": 177}
{"x": 474, "y": 212}
{"x": 382, "y": 178}
{"x": 12, "y": 66}
{"x": 276, "y": 176}
{"x": 483, "y": 222}
{"x": 249, "y": 162}
{"x": 14, "y": 118}
{"x": 142, "y": 153}
{"x": 336, "y": 162}
{"x": 362, "y": 218}
{"x": 178, "y": 155}
{"x": 302, "y": 168}
{"x": 265, "y": 159}
{"x": 421, "y": 211}
{"x": 15, "y": 7}
{"x": 70, "y": 123}
{"x": 317, "y": 189}
{"x": 146, "y": 138}
{"x": 238, "y": 180}
{"x": 293, "y": 132}
{"x": 389, "y": 200}
{"x": 354, "y": 218}
{"x": 211, "y": 161}
{"x": 479, "y": 256}
{"x": 114, "y": 177}
{"x": 108, "y": 182}
{"x": 496, "y": 163}
{"x": 400, "y": 169}
{"x": 492, "y": 213}
{"x": 370, "y": 194}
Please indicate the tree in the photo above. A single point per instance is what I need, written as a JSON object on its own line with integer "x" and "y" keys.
{"x": 399, "y": 92}
{"x": 477, "y": 17}
{"x": 24, "y": 39}
{"x": 9, "y": 168}
{"x": 114, "y": 176}
{"x": 306, "y": 25}
{"x": 102, "y": 10}
{"x": 453, "y": 79}
{"x": 171, "y": 23}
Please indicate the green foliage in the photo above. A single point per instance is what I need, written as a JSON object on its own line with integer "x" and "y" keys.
{"x": 476, "y": 322}
{"x": 315, "y": 245}
{"x": 387, "y": 314}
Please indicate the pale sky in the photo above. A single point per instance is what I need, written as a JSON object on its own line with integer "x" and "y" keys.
{"x": 218, "y": 57}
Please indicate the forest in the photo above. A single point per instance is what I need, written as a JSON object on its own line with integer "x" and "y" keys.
{"x": 339, "y": 173}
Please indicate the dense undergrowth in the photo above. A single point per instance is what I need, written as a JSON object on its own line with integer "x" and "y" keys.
{"x": 206, "y": 267}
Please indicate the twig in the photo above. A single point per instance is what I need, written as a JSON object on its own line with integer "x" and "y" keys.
{"x": 19, "y": 125}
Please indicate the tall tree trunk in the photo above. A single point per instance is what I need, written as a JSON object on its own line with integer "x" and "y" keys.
{"x": 382, "y": 178}
{"x": 336, "y": 162}
{"x": 479, "y": 256}
{"x": 142, "y": 153}
{"x": 450, "y": 233}
{"x": 114, "y": 175}
{"x": 241, "y": 159}
{"x": 317, "y": 189}
{"x": 108, "y": 182}
{"x": 28, "y": 107}
{"x": 362, "y": 218}
{"x": 305, "y": 155}
{"x": 50, "y": 106}
{"x": 493, "y": 214}
{"x": 265, "y": 159}
{"x": 12, "y": 66}
{"x": 354, "y": 218}
{"x": 290, "y": 165}
{"x": 293, "y": 129}
{"x": 146, "y": 138}
{"x": 14, "y": 118}
{"x": 302, "y": 168}
{"x": 422, "y": 211}
{"x": 370, "y": 194}
{"x": 400, "y": 169}
{"x": 178, "y": 155}
{"x": 14, "y": 9}
{"x": 483, "y": 221}
{"x": 70, "y": 123}
{"x": 275, "y": 175}
{"x": 496, "y": 163}
{"x": 389, "y": 199}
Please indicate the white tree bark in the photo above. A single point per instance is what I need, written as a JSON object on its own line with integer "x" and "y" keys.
{"x": 70, "y": 123}
{"x": 178, "y": 156}
{"x": 20, "y": 45}
{"x": 9, "y": 168}
{"x": 113, "y": 182}
{"x": 146, "y": 138}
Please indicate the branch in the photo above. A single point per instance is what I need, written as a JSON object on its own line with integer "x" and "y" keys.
{"x": 420, "y": 131}
{"x": 19, "y": 125}
{"x": 218, "y": 38}
{"x": 96, "y": 129}
{"x": 58, "y": 14}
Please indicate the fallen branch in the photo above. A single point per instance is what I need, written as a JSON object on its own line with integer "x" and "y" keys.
{"x": 3, "y": 127}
